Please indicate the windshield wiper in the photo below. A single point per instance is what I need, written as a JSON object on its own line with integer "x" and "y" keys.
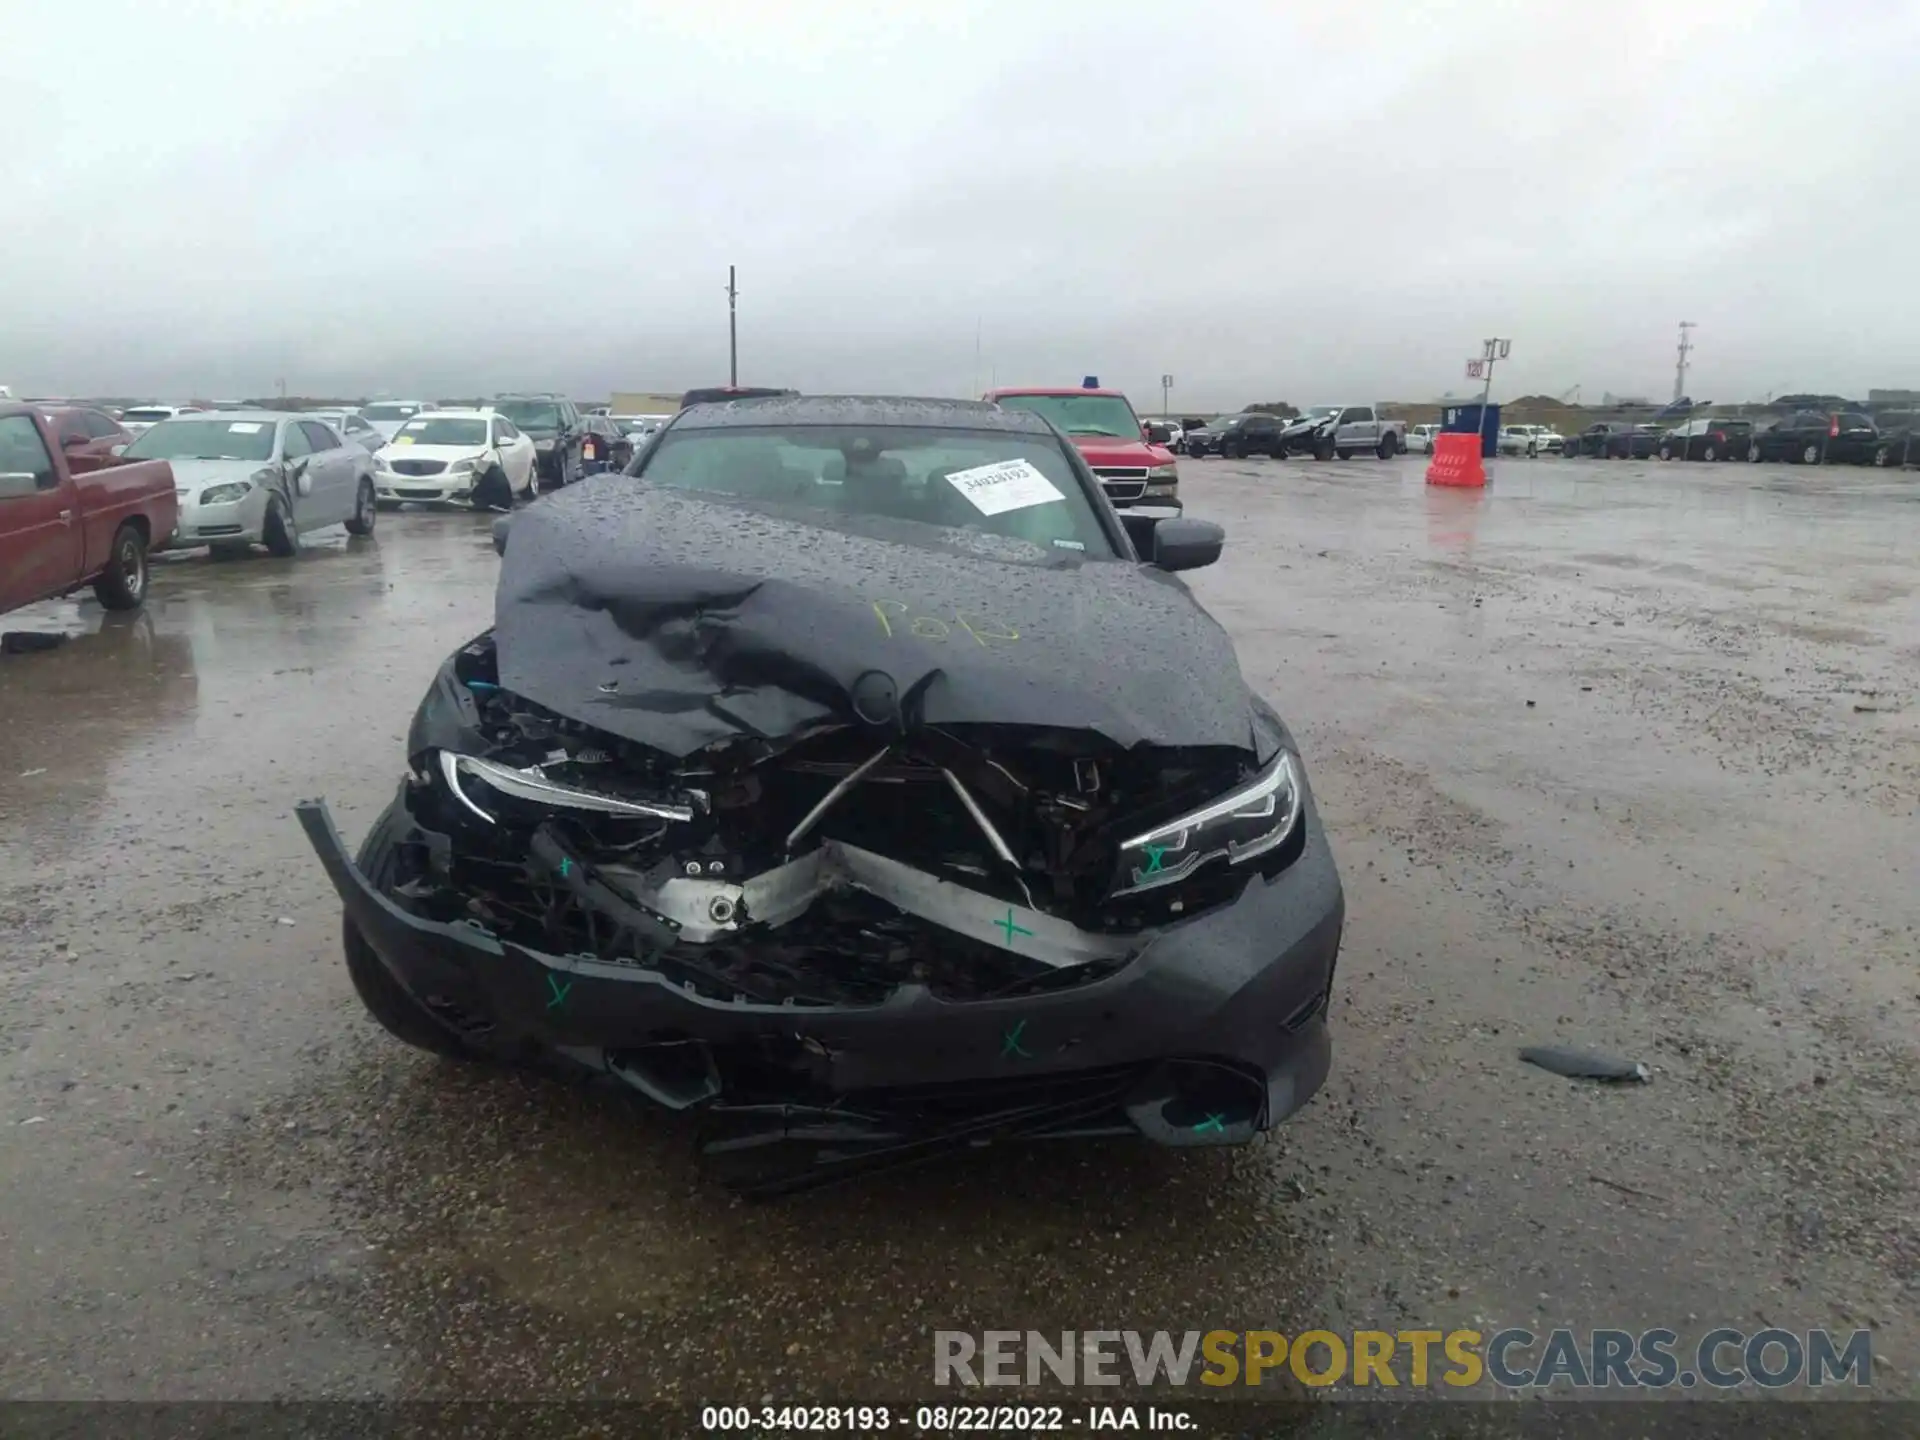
{"x": 1086, "y": 430}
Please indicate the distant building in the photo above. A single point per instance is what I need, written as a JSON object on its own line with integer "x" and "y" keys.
{"x": 637, "y": 402}
{"x": 1893, "y": 397}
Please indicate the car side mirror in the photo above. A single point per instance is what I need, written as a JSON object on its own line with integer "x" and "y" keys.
{"x": 500, "y": 525}
{"x": 1183, "y": 544}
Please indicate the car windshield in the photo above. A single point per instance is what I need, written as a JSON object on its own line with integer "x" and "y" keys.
{"x": 1019, "y": 486}
{"x": 1318, "y": 412}
{"x": 390, "y": 412}
{"x": 1081, "y": 414}
{"x": 530, "y": 414}
{"x": 444, "y": 431}
{"x": 198, "y": 439}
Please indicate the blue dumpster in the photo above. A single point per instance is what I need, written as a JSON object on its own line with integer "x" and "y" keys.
{"x": 1465, "y": 419}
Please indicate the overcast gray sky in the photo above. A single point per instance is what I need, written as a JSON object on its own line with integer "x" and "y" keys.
{"x": 1304, "y": 201}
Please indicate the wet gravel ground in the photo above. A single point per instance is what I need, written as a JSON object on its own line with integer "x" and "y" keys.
{"x": 1613, "y": 755}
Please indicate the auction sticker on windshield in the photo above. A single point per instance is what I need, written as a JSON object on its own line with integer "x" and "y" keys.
{"x": 246, "y": 427}
{"x": 1006, "y": 485}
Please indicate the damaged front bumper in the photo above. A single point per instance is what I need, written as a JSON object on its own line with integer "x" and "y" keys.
{"x": 1215, "y": 1029}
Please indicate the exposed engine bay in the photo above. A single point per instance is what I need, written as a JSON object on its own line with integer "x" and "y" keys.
{"x": 978, "y": 861}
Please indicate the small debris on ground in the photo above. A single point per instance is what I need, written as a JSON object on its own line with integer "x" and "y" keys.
{"x": 1583, "y": 1064}
{"x": 25, "y": 642}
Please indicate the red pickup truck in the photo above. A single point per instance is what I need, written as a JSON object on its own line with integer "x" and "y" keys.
{"x": 1110, "y": 438}
{"x": 68, "y": 518}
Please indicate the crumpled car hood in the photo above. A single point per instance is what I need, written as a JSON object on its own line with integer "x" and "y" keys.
{"x": 680, "y": 621}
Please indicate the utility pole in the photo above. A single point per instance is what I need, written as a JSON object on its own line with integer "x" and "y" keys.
{"x": 1166, "y": 390}
{"x": 733, "y": 331}
{"x": 1680, "y": 369}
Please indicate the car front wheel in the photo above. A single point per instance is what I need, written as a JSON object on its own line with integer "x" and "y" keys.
{"x": 279, "y": 534}
{"x": 1810, "y": 455}
{"x": 365, "y": 511}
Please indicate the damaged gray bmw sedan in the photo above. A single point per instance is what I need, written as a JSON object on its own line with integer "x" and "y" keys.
{"x": 850, "y": 772}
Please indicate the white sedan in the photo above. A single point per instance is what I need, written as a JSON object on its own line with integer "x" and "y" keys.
{"x": 387, "y": 416}
{"x": 440, "y": 455}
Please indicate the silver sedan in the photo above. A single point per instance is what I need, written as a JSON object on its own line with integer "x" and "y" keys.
{"x": 255, "y": 477}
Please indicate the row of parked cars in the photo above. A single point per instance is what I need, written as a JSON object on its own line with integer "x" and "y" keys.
{"x": 89, "y": 492}
{"x": 1326, "y": 432}
{"x": 1801, "y": 438}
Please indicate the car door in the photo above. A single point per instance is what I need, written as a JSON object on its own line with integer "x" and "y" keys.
{"x": 334, "y": 476}
{"x": 1355, "y": 429}
{"x": 296, "y": 460}
{"x": 39, "y": 531}
{"x": 515, "y": 451}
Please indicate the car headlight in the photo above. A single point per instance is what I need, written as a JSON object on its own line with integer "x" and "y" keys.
{"x": 462, "y": 467}
{"x": 543, "y": 444}
{"x": 1164, "y": 472}
{"x": 225, "y": 494}
{"x": 458, "y": 772}
{"x": 1248, "y": 822}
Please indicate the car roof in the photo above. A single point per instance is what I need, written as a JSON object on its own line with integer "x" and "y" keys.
{"x": 241, "y": 415}
{"x": 1053, "y": 390}
{"x": 902, "y": 410}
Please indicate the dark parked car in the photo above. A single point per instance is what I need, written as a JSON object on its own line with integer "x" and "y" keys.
{"x": 1202, "y": 437}
{"x": 1899, "y": 442}
{"x": 1807, "y": 437}
{"x": 1715, "y": 438}
{"x": 552, "y": 422}
{"x": 604, "y": 444}
{"x": 1614, "y": 440}
{"x": 796, "y": 785}
{"x": 1237, "y": 436}
{"x": 84, "y": 432}
{"x": 716, "y": 394}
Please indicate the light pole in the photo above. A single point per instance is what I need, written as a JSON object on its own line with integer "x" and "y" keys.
{"x": 1166, "y": 391}
{"x": 733, "y": 332}
{"x": 1680, "y": 369}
